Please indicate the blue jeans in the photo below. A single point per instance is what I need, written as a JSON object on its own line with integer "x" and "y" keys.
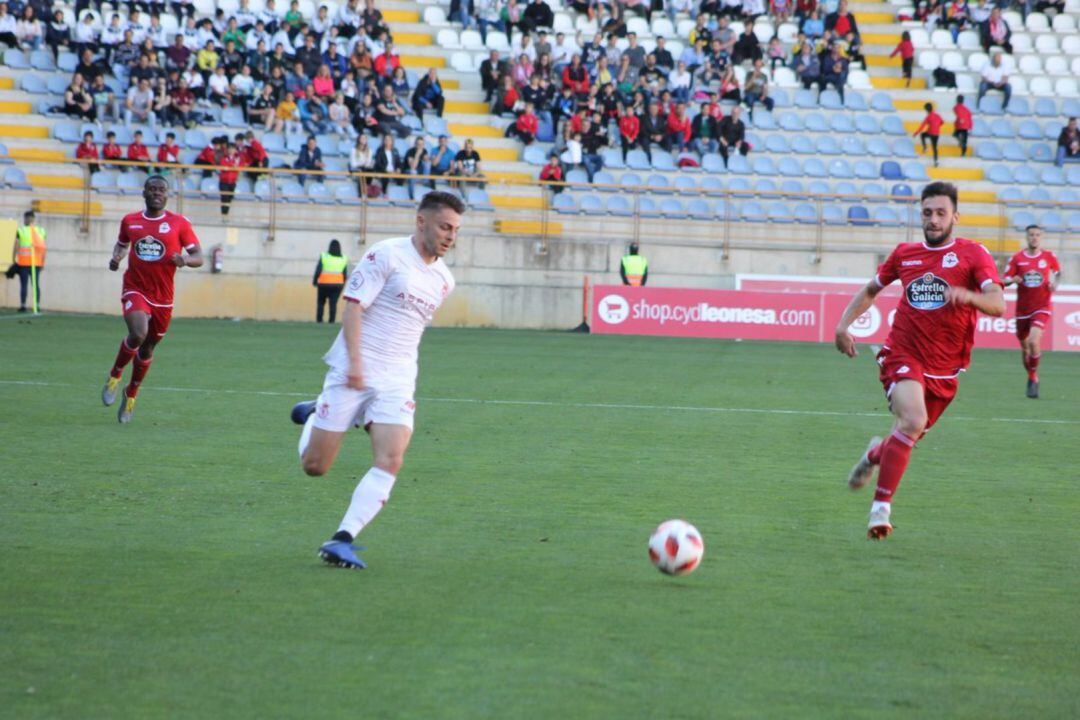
{"x": 423, "y": 169}
{"x": 485, "y": 24}
{"x": 592, "y": 163}
{"x": 984, "y": 87}
{"x": 24, "y": 284}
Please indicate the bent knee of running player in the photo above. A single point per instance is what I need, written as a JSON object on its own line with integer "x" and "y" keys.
{"x": 388, "y": 446}
{"x": 908, "y": 403}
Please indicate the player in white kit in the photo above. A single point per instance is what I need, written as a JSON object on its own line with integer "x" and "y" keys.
{"x": 391, "y": 297}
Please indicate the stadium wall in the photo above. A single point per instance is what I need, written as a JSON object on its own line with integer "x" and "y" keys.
{"x": 503, "y": 280}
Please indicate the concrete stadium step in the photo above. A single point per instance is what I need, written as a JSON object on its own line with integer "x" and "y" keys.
{"x": 24, "y": 131}
{"x": 518, "y": 202}
{"x": 7, "y": 83}
{"x": 977, "y": 196}
{"x": 887, "y": 83}
{"x": 943, "y": 150}
{"x": 415, "y": 39}
{"x": 401, "y": 16}
{"x": 423, "y": 62}
{"x": 38, "y": 154}
{"x": 886, "y": 39}
{"x": 470, "y": 130}
{"x": 509, "y": 176}
{"x": 955, "y": 173}
{"x": 469, "y": 107}
{"x": 526, "y": 227}
{"x": 65, "y": 207}
{"x": 875, "y": 18}
{"x": 15, "y": 107}
{"x": 67, "y": 182}
{"x": 912, "y": 125}
{"x": 983, "y": 221}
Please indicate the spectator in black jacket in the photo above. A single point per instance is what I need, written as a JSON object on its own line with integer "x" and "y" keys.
{"x": 704, "y": 131}
{"x": 388, "y": 160}
{"x": 747, "y": 46}
{"x": 491, "y": 72}
{"x": 732, "y": 135}
{"x": 309, "y": 56}
{"x": 995, "y": 31}
{"x": 539, "y": 14}
{"x": 428, "y": 95}
{"x": 310, "y": 158}
{"x": 841, "y": 22}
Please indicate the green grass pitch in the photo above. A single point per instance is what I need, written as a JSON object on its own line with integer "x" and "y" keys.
{"x": 167, "y": 569}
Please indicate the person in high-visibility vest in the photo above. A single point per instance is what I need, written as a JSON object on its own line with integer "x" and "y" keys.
{"x": 329, "y": 279}
{"x": 28, "y": 254}
{"x": 634, "y": 268}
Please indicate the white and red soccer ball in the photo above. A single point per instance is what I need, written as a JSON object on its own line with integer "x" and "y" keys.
{"x": 676, "y": 547}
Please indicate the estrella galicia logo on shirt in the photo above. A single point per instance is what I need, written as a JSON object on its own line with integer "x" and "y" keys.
{"x": 1033, "y": 278}
{"x": 149, "y": 249}
{"x": 927, "y": 292}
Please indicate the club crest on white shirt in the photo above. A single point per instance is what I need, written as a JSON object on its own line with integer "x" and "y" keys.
{"x": 950, "y": 260}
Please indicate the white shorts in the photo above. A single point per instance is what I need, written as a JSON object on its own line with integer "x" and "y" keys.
{"x": 339, "y": 407}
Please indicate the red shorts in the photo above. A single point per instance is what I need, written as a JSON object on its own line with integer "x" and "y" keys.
{"x": 1038, "y": 319}
{"x": 160, "y": 315}
{"x": 938, "y": 391}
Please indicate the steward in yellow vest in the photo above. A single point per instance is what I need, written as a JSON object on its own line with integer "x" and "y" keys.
{"x": 329, "y": 280}
{"x": 28, "y": 254}
{"x": 634, "y": 268}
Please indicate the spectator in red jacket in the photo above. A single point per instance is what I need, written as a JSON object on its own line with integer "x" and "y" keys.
{"x": 387, "y": 62}
{"x": 678, "y": 129}
{"x": 111, "y": 150}
{"x": 576, "y": 77}
{"x": 136, "y": 150}
{"x": 210, "y": 155}
{"x": 930, "y": 129}
{"x": 963, "y": 124}
{"x": 553, "y": 172}
{"x": 906, "y": 51}
{"x": 526, "y": 126}
{"x": 87, "y": 150}
{"x": 227, "y": 178}
{"x": 629, "y": 130}
{"x": 168, "y": 153}
{"x": 252, "y": 152}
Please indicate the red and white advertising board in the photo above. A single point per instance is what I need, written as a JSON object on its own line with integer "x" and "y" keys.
{"x": 792, "y": 309}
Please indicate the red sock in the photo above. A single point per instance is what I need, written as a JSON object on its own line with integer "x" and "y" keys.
{"x": 895, "y": 452}
{"x": 123, "y": 357}
{"x": 874, "y": 455}
{"x": 1033, "y": 367}
{"x": 138, "y": 372}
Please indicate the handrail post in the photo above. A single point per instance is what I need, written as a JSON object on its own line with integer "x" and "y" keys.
{"x": 84, "y": 225}
{"x": 273, "y": 208}
{"x": 819, "y": 231}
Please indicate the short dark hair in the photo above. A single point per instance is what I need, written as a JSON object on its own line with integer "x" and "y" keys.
{"x": 941, "y": 187}
{"x": 438, "y": 199}
{"x": 1033, "y": 226}
{"x": 156, "y": 176}
{"x": 929, "y": 107}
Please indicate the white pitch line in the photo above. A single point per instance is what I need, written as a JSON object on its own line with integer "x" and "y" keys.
{"x": 583, "y": 405}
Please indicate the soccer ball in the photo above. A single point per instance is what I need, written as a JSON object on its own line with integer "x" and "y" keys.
{"x": 676, "y": 547}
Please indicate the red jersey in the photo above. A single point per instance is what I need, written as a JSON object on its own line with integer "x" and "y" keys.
{"x": 153, "y": 243}
{"x": 254, "y": 153}
{"x": 935, "y": 332}
{"x": 528, "y": 123}
{"x": 111, "y": 151}
{"x": 87, "y": 150}
{"x": 629, "y": 127}
{"x": 931, "y": 124}
{"x": 230, "y": 176}
{"x": 168, "y": 153}
{"x": 208, "y": 155}
{"x": 138, "y": 151}
{"x": 905, "y": 49}
{"x": 1036, "y": 272}
{"x": 963, "y": 117}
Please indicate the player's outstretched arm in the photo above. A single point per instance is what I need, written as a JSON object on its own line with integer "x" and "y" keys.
{"x": 351, "y": 323}
{"x": 991, "y": 301}
{"x": 118, "y": 252}
{"x": 859, "y": 304}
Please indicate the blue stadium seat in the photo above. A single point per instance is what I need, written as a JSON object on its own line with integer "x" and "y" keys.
{"x": 999, "y": 174}
{"x": 1002, "y": 128}
{"x": 791, "y": 122}
{"x": 1070, "y": 107}
{"x": 619, "y": 205}
{"x": 658, "y": 183}
{"x": 1021, "y": 219}
{"x": 196, "y": 140}
{"x": 16, "y": 59}
{"x": 777, "y": 143}
{"x": 814, "y": 167}
{"x": 901, "y": 190}
{"x": 818, "y": 187}
{"x": 805, "y": 99}
{"x": 647, "y": 207}
{"x": 882, "y": 102}
{"x": 684, "y": 183}
{"x": 915, "y": 171}
{"x": 890, "y": 170}
{"x": 564, "y": 203}
{"x": 892, "y": 125}
{"x": 233, "y": 117}
{"x": 262, "y": 189}
{"x": 803, "y": 145}
{"x": 885, "y": 215}
{"x": 723, "y": 209}
{"x": 1045, "y": 107}
{"x": 764, "y": 120}
{"x": 67, "y": 62}
{"x": 577, "y": 175}
{"x": 830, "y": 100}
{"x": 780, "y": 97}
{"x": 844, "y": 187}
{"x": 1052, "y": 130}
{"x": 980, "y": 128}
{"x": 752, "y": 211}
{"x": 991, "y": 105}
{"x": 878, "y": 147}
{"x": 545, "y": 132}
{"x": 865, "y": 169}
{"x": 764, "y": 185}
{"x": 805, "y": 213}
{"x": 33, "y": 84}
{"x": 662, "y": 160}
{"x": 693, "y": 167}
{"x": 827, "y": 145}
{"x": 638, "y": 160}
{"x": 1039, "y": 194}
{"x": 124, "y": 135}
{"x": 816, "y": 122}
{"x": 833, "y": 214}
{"x": 1053, "y": 176}
{"x": 42, "y": 60}
{"x": 104, "y": 181}
{"x": 346, "y": 194}
{"x": 740, "y": 187}
{"x": 67, "y": 132}
{"x": 57, "y": 85}
{"x": 1025, "y": 175}
{"x": 1052, "y": 222}
{"x": 712, "y": 184}
{"x": 904, "y": 148}
{"x": 272, "y": 142}
{"x": 131, "y": 183}
{"x": 1041, "y": 152}
{"x": 535, "y": 155}
{"x": 779, "y": 212}
{"x": 612, "y": 158}
{"x": 1068, "y": 195}
{"x": 320, "y": 194}
{"x": 672, "y": 208}
{"x": 603, "y": 177}
{"x": 853, "y": 100}
{"x": 789, "y": 167}
{"x": 841, "y": 123}
{"x": 1013, "y": 151}
{"x": 713, "y": 163}
{"x": 867, "y": 124}
{"x": 764, "y": 166}
{"x": 858, "y": 215}
{"x": 738, "y": 164}
{"x": 793, "y": 188}
{"x": 988, "y": 150}
{"x": 590, "y": 204}
{"x": 698, "y": 208}
{"x": 1010, "y": 195}
{"x": 631, "y": 179}
{"x": 1019, "y": 107}
{"x": 1073, "y": 222}
{"x": 329, "y": 145}
{"x": 435, "y": 125}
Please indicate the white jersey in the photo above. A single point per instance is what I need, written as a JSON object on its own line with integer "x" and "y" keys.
{"x": 400, "y": 294}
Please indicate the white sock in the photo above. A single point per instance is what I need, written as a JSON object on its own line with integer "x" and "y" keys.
{"x": 880, "y": 505}
{"x": 367, "y": 500}
{"x": 305, "y": 435}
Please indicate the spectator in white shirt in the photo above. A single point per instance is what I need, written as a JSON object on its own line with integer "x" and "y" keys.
{"x": 156, "y": 33}
{"x": 112, "y": 35}
{"x": 28, "y": 29}
{"x": 259, "y": 34}
{"x": 190, "y": 33}
{"x": 245, "y": 17}
{"x": 994, "y": 77}
{"x": 135, "y": 25}
{"x": 269, "y": 17}
{"x": 282, "y": 37}
{"x": 86, "y": 35}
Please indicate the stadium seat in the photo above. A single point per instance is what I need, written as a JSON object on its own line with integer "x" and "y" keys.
{"x": 662, "y": 160}
{"x": 804, "y": 213}
{"x": 700, "y": 209}
{"x": 319, "y": 193}
{"x": 764, "y": 166}
{"x": 904, "y": 148}
{"x": 346, "y": 194}
{"x": 647, "y": 207}
{"x": 776, "y": 143}
{"x": 435, "y": 16}
{"x": 815, "y": 122}
{"x": 631, "y": 179}
{"x": 901, "y": 190}
{"x": 764, "y": 120}
{"x": 854, "y": 101}
{"x": 1022, "y": 219}
{"x": 783, "y": 78}
{"x": 765, "y": 186}
{"x": 1010, "y": 195}
{"x": 658, "y": 183}
{"x": 1041, "y": 86}
{"x": 740, "y": 187}
{"x": 886, "y": 216}
{"x": 104, "y": 181}
{"x": 131, "y": 183}
{"x": 1073, "y": 222}
{"x": 789, "y": 167}
{"x": 892, "y": 125}
{"x": 1030, "y": 130}
{"x": 802, "y": 145}
{"x": 724, "y": 210}
{"x": 890, "y": 170}
{"x": 67, "y": 62}
{"x": 577, "y": 176}
{"x": 196, "y": 140}
{"x": 914, "y": 170}
{"x": 1013, "y": 152}
{"x": 865, "y": 169}
{"x": 590, "y": 203}
{"x": 780, "y": 97}
{"x": 1025, "y": 175}
{"x": 1053, "y": 176}
{"x": 814, "y": 167}
{"x": 612, "y": 158}
{"x": 67, "y": 132}
{"x": 882, "y": 102}
{"x": 845, "y": 188}
{"x": 1066, "y": 87}
{"x": 859, "y": 80}
{"x": 988, "y": 150}
{"x": 1018, "y": 107}
{"x": 830, "y": 100}
{"x": 1002, "y": 128}
{"x": 42, "y": 60}
{"x": 638, "y": 160}
{"x": 852, "y": 145}
{"x": 738, "y": 165}
{"x": 858, "y": 215}
{"x": 999, "y": 174}
{"x": 619, "y": 205}
{"x": 564, "y": 203}
{"x": 1039, "y": 194}
{"x": 1072, "y": 175}
{"x": 818, "y": 187}
{"x": 991, "y": 105}
{"x": 16, "y": 59}
{"x": 605, "y": 178}
{"x": 33, "y": 84}
{"x": 779, "y": 212}
{"x": 752, "y": 211}
{"x": 827, "y": 145}
{"x": 712, "y": 184}
{"x": 805, "y": 99}
{"x": 713, "y": 163}
{"x": 1068, "y": 195}
{"x": 534, "y": 155}
{"x": 1052, "y": 222}
{"x": 672, "y": 208}
{"x": 684, "y": 183}
{"x": 833, "y": 214}
{"x": 461, "y": 62}
{"x": 867, "y": 124}
{"x": 792, "y": 188}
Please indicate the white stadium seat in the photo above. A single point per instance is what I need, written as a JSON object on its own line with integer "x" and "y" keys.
{"x": 586, "y": 26}
{"x": 683, "y": 28}
{"x": 859, "y": 80}
{"x": 1066, "y": 88}
{"x": 1008, "y": 62}
{"x": 1072, "y": 6}
{"x": 495, "y": 41}
{"x": 1071, "y": 45}
{"x": 435, "y": 17}
{"x": 563, "y": 23}
{"x": 919, "y": 38}
{"x": 1057, "y": 65}
{"x": 1037, "y": 22}
{"x": 1021, "y": 43}
{"x": 965, "y": 83}
{"x": 448, "y": 38}
{"x": 977, "y": 61}
{"x": 785, "y": 78}
{"x": 952, "y": 60}
{"x": 942, "y": 40}
{"x": 764, "y": 31}
{"x": 638, "y": 26}
{"x": 662, "y": 27}
{"x": 1064, "y": 24}
{"x": 1076, "y": 66}
{"x": 1041, "y": 87}
{"x": 1019, "y": 85}
{"x": 969, "y": 40}
{"x": 471, "y": 40}
{"x": 462, "y": 62}
{"x": 675, "y": 48}
{"x": 1014, "y": 19}
{"x": 1031, "y": 65}
{"x": 1047, "y": 44}
{"x": 928, "y": 59}
{"x": 788, "y": 32}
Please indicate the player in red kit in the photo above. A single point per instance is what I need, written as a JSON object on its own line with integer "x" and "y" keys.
{"x": 158, "y": 240}
{"x": 946, "y": 280}
{"x": 1036, "y": 273}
